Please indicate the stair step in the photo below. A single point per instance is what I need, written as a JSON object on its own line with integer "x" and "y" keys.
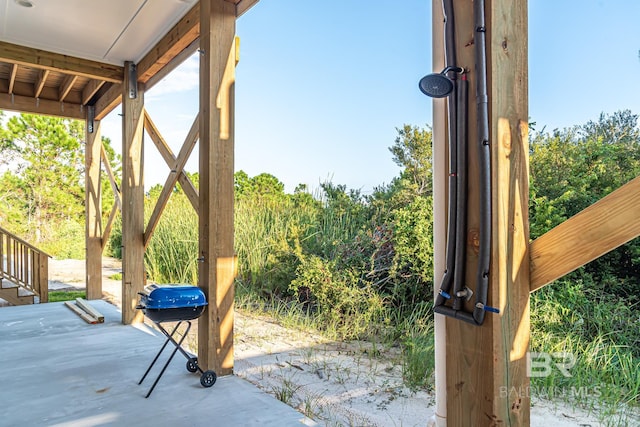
{"x": 16, "y": 295}
{"x": 8, "y": 285}
{"x": 24, "y": 292}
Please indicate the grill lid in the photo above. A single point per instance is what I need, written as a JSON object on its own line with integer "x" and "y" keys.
{"x": 172, "y": 296}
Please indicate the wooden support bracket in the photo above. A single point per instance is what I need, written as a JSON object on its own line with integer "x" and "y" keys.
{"x": 600, "y": 228}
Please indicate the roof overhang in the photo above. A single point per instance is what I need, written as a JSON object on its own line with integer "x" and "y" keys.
{"x": 57, "y": 58}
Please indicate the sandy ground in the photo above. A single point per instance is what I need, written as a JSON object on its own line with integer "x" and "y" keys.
{"x": 337, "y": 384}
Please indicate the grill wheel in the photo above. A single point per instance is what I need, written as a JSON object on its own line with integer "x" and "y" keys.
{"x": 208, "y": 378}
{"x": 192, "y": 365}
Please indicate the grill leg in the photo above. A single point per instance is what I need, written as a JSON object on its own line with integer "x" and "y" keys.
{"x": 177, "y": 345}
{"x": 161, "y": 350}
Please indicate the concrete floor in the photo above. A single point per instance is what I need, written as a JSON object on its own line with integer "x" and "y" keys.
{"x": 57, "y": 370}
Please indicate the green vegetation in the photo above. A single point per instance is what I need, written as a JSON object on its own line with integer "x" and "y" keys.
{"x": 57, "y": 296}
{"x": 594, "y": 312}
{"x": 354, "y": 266}
{"x": 42, "y": 182}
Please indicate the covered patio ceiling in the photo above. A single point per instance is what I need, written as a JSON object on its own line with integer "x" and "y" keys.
{"x": 57, "y": 58}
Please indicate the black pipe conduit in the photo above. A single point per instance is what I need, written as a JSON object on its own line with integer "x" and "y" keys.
{"x": 455, "y": 270}
{"x": 459, "y": 288}
{"x": 482, "y": 100}
{"x": 450, "y": 61}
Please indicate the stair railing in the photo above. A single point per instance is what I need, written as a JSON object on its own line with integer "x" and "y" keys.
{"x": 24, "y": 264}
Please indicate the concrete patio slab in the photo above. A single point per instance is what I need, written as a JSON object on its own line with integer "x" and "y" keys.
{"x": 58, "y": 370}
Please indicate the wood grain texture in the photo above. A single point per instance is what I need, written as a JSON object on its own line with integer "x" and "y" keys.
{"x": 93, "y": 212}
{"x": 486, "y": 365}
{"x": 133, "y": 275}
{"x": 176, "y": 169}
{"x": 216, "y": 270}
{"x": 44, "y": 60}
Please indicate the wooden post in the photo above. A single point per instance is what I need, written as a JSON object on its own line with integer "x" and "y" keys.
{"x": 132, "y": 200}
{"x": 486, "y": 380}
{"x": 217, "y": 262}
{"x": 43, "y": 276}
{"x": 440, "y": 178}
{"x": 93, "y": 211}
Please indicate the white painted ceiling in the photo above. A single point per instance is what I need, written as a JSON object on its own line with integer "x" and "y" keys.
{"x": 112, "y": 31}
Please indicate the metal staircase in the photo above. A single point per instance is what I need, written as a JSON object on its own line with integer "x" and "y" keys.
{"x": 24, "y": 272}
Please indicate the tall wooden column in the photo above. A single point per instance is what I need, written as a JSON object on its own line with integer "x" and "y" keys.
{"x": 132, "y": 198}
{"x": 217, "y": 262}
{"x": 93, "y": 211}
{"x": 485, "y": 366}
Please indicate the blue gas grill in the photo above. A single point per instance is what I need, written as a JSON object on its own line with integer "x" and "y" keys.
{"x": 174, "y": 303}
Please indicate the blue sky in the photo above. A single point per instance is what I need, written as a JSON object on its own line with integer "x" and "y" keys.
{"x": 322, "y": 85}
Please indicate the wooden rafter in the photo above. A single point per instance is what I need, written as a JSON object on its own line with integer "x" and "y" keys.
{"x": 12, "y": 78}
{"x": 600, "y": 228}
{"x": 172, "y": 179}
{"x": 44, "y": 60}
{"x": 39, "y": 85}
{"x": 66, "y": 87}
{"x": 165, "y": 151}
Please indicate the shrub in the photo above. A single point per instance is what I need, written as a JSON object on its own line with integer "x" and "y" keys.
{"x": 346, "y": 306}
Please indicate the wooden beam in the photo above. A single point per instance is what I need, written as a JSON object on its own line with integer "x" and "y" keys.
{"x": 178, "y": 44}
{"x": 66, "y": 87}
{"x": 93, "y": 212}
{"x": 26, "y": 104}
{"x": 172, "y": 179}
{"x": 486, "y": 381}
{"x": 217, "y": 267}
{"x": 12, "y": 77}
{"x": 244, "y": 5}
{"x": 109, "y": 101}
{"x": 80, "y": 312}
{"x": 109, "y": 226}
{"x": 165, "y": 151}
{"x": 600, "y": 228}
{"x": 44, "y": 60}
{"x": 91, "y": 89}
{"x": 185, "y": 32}
{"x": 133, "y": 275}
{"x": 89, "y": 309}
{"x": 112, "y": 179}
{"x": 173, "y": 64}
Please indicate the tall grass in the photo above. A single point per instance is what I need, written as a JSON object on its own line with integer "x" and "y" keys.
{"x": 268, "y": 232}
{"x": 602, "y": 338}
{"x": 292, "y": 266}
{"x": 172, "y": 254}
